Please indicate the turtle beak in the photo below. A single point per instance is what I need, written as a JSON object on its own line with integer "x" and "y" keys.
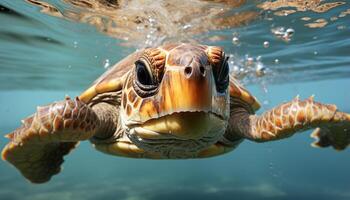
{"x": 187, "y": 89}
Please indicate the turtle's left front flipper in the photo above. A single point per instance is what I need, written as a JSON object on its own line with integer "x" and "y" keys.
{"x": 37, "y": 148}
{"x": 332, "y": 126}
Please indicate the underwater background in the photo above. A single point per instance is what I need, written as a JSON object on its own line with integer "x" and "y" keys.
{"x": 278, "y": 49}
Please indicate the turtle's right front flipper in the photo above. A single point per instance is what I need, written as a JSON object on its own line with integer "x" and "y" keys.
{"x": 37, "y": 148}
{"x": 332, "y": 126}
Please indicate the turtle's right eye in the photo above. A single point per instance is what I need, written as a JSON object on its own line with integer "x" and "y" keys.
{"x": 144, "y": 82}
{"x": 143, "y": 74}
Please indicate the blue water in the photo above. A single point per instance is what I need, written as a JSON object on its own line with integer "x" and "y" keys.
{"x": 43, "y": 57}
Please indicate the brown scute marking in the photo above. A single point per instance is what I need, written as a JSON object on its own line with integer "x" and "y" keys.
{"x": 271, "y": 116}
{"x": 75, "y": 124}
{"x": 285, "y": 109}
{"x": 278, "y": 123}
{"x": 263, "y": 124}
{"x": 301, "y": 116}
{"x": 47, "y": 125}
{"x": 57, "y": 123}
{"x": 277, "y": 111}
{"x": 285, "y": 119}
{"x": 131, "y": 96}
{"x": 82, "y": 125}
{"x": 302, "y": 103}
{"x": 270, "y": 127}
{"x": 128, "y": 110}
{"x": 82, "y": 114}
{"x": 68, "y": 123}
{"x": 59, "y": 108}
{"x": 70, "y": 104}
{"x": 75, "y": 112}
{"x": 43, "y": 118}
{"x": 129, "y": 85}
{"x": 67, "y": 112}
{"x": 124, "y": 100}
{"x": 215, "y": 55}
{"x": 315, "y": 110}
{"x": 308, "y": 112}
{"x": 291, "y": 119}
{"x": 137, "y": 103}
{"x": 88, "y": 117}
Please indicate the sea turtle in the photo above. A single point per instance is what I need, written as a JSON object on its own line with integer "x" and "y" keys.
{"x": 172, "y": 102}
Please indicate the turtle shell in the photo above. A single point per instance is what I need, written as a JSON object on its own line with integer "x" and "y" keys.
{"x": 112, "y": 79}
{"x": 238, "y": 91}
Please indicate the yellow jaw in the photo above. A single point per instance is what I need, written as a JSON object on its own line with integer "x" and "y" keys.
{"x": 185, "y": 125}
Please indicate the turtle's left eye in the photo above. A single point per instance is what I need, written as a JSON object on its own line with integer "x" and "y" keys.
{"x": 221, "y": 75}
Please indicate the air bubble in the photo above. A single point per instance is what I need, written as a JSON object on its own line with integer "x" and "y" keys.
{"x": 75, "y": 44}
{"x": 266, "y": 44}
{"x": 250, "y": 61}
{"x": 106, "y": 63}
{"x": 260, "y": 69}
{"x": 290, "y": 31}
{"x": 248, "y": 66}
{"x": 235, "y": 40}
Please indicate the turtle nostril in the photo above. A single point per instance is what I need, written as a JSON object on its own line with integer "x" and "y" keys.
{"x": 188, "y": 71}
{"x": 202, "y": 70}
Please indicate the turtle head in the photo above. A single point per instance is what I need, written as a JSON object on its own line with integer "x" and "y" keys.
{"x": 177, "y": 91}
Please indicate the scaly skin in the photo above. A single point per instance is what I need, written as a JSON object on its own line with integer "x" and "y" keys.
{"x": 286, "y": 119}
{"x": 37, "y": 148}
